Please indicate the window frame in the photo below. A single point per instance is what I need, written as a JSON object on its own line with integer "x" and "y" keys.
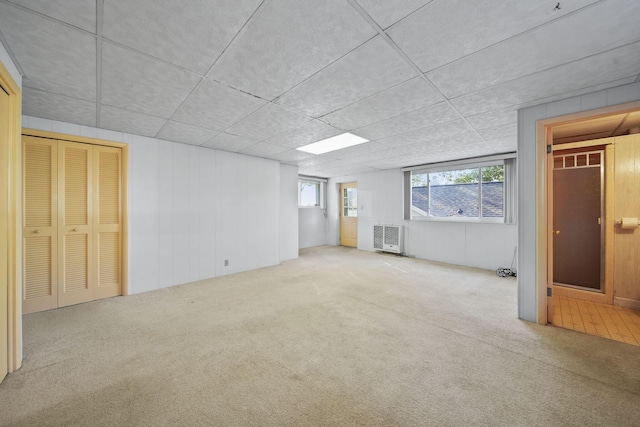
{"x": 451, "y": 168}
{"x": 320, "y": 192}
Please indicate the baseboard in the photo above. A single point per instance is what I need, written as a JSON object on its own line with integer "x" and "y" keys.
{"x": 627, "y": 303}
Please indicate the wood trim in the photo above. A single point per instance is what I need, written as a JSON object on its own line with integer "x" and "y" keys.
{"x": 609, "y": 232}
{"x": 627, "y": 303}
{"x": 71, "y": 138}
{"x": 582, "y": 144}
{"x": 580, "y": 294}
{"x": 125, "y": 188}
{"x": 11, "y": 159}
{"x": 544, "y": 137}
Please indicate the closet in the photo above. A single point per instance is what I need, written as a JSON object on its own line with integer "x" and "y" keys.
{"x": 72, "y": 218}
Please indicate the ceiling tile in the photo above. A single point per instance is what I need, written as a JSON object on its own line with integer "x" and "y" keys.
{"x": 267, "y": 121}
{"x": 139, "y": 83}
{"x": 190, "y": 34}
{"x": 598, "y": 69}
{"x": 399, "y": 99}
{"x": 355, "y": 153}
{"x": 130, "y": 122}
{"x": 291, "y": 156}
{"x": 388, "y": 12}
{"x": 427, "y": 134}
{"x": 288, "y": 41}
{"x": 226, "y": 142}
{"x": 371, "y": 68}
{"x": 188, "y": 134}
{"x": 79, "y": 13}
{"x": 216, "y": 106}
{"x": 573, "y": 37}
{"x": 263, "y": 149}
{"x": 424, "y": 117}
{"x": 52, "y": 106}
{"x": 305, "y": 134}
{"x": 500, "y": 131}
{"x": 70, "y": 71}
{"x": 456, "y": 28}
{"x": 493, "y": 118}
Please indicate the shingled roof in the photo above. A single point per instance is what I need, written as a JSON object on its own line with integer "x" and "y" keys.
{"x": 460, "y": 200}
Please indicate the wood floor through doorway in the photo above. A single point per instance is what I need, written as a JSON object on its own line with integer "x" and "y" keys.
{"x": 608, "y": 321}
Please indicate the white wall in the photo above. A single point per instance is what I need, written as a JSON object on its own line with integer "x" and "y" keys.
{"x": 5, "y": 59}
{"x": 532, "y": 245}
{"x": 313, "y": 227}
{"x": 380, "y": 201}
{"x": 288, "y": 212}
{"x": 192, "y": 208}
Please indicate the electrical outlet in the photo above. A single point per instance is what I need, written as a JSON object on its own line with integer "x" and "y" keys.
{"x": 226, "y": 263}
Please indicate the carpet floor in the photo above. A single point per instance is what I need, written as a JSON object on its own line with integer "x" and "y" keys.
{"x": 337, "y": 337}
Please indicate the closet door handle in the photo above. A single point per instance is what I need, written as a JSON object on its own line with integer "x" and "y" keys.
{"x": 36, "y": 232}
{"x": 75, "y": 229}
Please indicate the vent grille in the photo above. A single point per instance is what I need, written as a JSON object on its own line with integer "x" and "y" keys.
{"x": 388, "y": 238}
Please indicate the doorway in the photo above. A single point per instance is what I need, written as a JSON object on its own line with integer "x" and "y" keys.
{"x": 578, "y": 212}
{"x": 349, "y": 214}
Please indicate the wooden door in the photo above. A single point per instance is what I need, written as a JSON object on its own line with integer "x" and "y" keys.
{"x": 578, "y": 212}
{"x": 107, "y": 221}
{"x": 75, "y": 227}
{"x": 4, "y": 234}
{"x": 349, "y": 214}
{"x": 40, "y": 224}
{"x": 627, "y": 204}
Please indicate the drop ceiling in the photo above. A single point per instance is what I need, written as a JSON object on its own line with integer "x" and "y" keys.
{"x": 425, "y": 81}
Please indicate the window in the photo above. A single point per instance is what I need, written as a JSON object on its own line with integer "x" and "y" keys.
{"x": 472, "y": 192}
{"x": 310, "y": 193}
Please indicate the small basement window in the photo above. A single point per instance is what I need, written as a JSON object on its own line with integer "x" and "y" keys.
{"x": 310, "y": 193}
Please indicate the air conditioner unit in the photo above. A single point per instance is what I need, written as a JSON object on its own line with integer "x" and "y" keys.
{"x": 388, "y": 238}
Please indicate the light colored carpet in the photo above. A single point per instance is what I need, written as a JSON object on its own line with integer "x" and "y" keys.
{"x": 338, "y": 337}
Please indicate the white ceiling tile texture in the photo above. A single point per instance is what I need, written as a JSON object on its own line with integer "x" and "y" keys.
{"x": 190, "y": 34}
{"x": 369, "y": 69}
{"x": 143, "y": 84}
{"x": 287, "y": 42}
{"x": 54, "y": 57}
{"x": 396, "y": 100}
{"x": 265, "y": 77}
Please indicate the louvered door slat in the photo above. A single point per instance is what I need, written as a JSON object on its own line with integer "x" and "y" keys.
{"x": 107, "y": 220}
{"x": 40, "y": 224}
{"x": 75, "y": 225}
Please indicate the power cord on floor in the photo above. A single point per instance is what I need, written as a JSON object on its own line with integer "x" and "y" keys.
{"x": 507, "y": 272}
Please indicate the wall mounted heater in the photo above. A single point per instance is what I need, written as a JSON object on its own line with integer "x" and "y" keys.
{"x": 388, "y": 238}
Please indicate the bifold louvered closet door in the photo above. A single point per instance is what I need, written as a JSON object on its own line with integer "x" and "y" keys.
{"x": 72, "y": 223}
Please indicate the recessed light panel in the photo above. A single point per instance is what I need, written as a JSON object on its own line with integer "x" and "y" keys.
{"x": 334, "y": 143}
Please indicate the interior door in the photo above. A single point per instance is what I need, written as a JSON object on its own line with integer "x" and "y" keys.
{"x": 107, "y": 221}
{"x": 4, "y": 212}
{"x": 75, "y": 242}
{"x": 40, "y": 224}
{"x": 578, "y": 220}
{"x": 349, "y": 214}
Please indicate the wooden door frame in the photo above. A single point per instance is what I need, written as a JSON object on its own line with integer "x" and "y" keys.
{"x": 606, "y": 296}
{"x": 11, "y": 168}
{"x": 544, "y": 137}
{"x": 125, "y": 186}
{"x": 339, "y": 191}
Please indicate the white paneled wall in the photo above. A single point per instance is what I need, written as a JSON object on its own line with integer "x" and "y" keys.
{"x": 288, "y": 212}
{"x": 380, "y": 198}
{"x": 532, "y": 250}
{"x": 192, "y": 208}
{"x": 313, "y": 226}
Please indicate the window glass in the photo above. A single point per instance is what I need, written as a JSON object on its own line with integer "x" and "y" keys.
{"x": 309, "y": 193}
{"x": 469, "y": 193}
